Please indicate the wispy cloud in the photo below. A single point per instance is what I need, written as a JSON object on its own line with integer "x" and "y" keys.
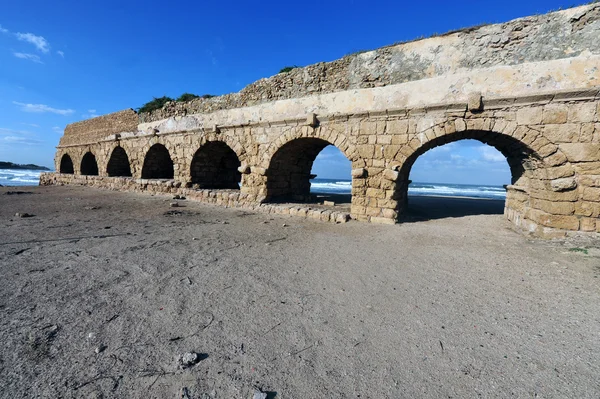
{"x": 491, "y": 154}
{"x": 3, "y": 30}
{"x": 91, "y": 113}
{"x": 58, "y": 130}
{"x": 29, "y": 57}
{"x": 40, "y": 108}
{"x": 30, "y": 124}
{"x": 62, "y": 54}
{"x": 38, "y": 41}
{"x": 18, "y": 137}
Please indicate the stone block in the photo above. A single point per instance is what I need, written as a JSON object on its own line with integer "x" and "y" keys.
{"x": 588, "y": 224}
{"x": 382, "y": 220}
{"x": 391, "y": 175}
{"x": 554, "y": 114}
{"x": 586, "y": 208}
{"x": 565, "y": 222}
{"x": 581, "y": 152}
{"x": 397, "y": 127}
{"x": 259, "y": 170}
{"x": 399, "y": 139}
{"x": 563, "y": 184}
{"x": 475, "y": 102}
{"x": 565, "y": 133}
{"x": 582, "y": 112}
{"x": 590, "y": 194}
{"x": 554, "y": 207}
{"x": 244, "y": 169}
{"x": 556, "y": 159}
{"x": 389, "y": 213}
{"x": 590, "y": 180}
{"x": 375, "y": 193}
{"x": 586, "y": 135}
{"x": 530, "y": 116}
{"x": 359, "y": 172}
{"x": 311, "y": 120}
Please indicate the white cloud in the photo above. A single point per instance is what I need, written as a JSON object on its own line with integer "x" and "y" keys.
{"x": 491, "y": 154}
{"x": 38, "y": 41}
{"x": 30, "y": 124}
{"x": 62, "y": 54}
{"x": 29, "y": 57}
{"x": 3, "y": 30}
{"x": 39, "y": 108}
{"x": 58, "y": 130}
{"x": 18, "y": 137}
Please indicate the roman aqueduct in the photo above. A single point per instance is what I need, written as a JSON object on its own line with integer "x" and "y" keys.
{"x": 529, "y": 87}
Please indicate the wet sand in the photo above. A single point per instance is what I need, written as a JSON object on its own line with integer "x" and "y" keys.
{"x": 453, "y": 304}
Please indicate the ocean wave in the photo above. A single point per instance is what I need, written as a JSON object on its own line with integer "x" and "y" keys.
{"x": 17, "y": 177}
{"x": 332, "y": 186}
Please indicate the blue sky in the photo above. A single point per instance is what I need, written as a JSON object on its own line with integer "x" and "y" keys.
{"x": 63, "y": 61}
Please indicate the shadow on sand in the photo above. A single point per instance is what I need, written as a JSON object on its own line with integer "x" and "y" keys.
{"x": 422, "y": 208}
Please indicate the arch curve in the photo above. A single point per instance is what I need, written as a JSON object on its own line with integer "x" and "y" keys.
{"x": 215, "y": 166}
{"x": 289, "y": 171}
{"x": 158, "y": 163}
{"x": 118, "y": 164}
{"x": 66, "y": 165}
{"x": 89, "y": 165}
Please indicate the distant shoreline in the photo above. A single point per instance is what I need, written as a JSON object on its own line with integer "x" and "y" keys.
{"x": 16, "y": 166}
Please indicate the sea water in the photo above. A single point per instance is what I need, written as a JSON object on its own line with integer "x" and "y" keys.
{"x": 13, "y": 177}
{"x": 341, "y": 186}
{"x": 20, "y": 177}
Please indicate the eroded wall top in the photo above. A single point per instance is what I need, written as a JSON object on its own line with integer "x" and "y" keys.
{"x": 473, "y": 58}
{"x": 563, "y": 34}
{"x": 92, "y": 130}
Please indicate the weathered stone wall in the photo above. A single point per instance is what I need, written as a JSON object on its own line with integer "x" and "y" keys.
{"x": 541, "y": 110}
{"x": 92, "y": 130}
{"x": 559, "y": 35}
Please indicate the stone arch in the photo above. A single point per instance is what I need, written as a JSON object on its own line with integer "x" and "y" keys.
{"x": 158, "y": 163}
{"x": 118, "y": 163}
{"x": 533, "y": 160}
{"x": 89, "y": 166}
{"x": 289, "y": 171}
{"x": 66, "y": 165}
{"x": 215, "y": 166}
{"x": 325, "y": 133}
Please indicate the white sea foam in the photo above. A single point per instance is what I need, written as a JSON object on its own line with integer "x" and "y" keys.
{"x": 17, "y": 177}
{"x": 333, "y": 186}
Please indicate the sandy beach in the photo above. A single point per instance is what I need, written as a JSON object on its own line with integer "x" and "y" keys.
{"x": 102, "y": 291}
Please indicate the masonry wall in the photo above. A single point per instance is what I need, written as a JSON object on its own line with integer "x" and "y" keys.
{"x": 529, "y": 87}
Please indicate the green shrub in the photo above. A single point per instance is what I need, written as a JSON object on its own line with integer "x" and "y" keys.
{"x": 187, "y": 97}
{"x": 205, "y": 96}
{"x": 288, "y": 68}
{"x": 156, "y": 103}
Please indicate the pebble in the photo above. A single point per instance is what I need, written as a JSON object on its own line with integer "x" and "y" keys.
{"x": 174, "y": 204}
{"x": 188, "y": 359}
{"x": 259, "y": 395}
{"x": 177, "y": 197}
{"x": 100, "y": 349}
{"x": 284, "y": 225}
{"x": 22, "y": 215}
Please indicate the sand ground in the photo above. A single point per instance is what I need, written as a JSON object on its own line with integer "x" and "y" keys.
{"x": 441, "y": 307}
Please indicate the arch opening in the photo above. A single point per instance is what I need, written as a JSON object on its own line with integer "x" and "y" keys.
{"x": 89, "y": 166}
{"x": 66, "y": 165}
{"x": 472, "y": 191}
{"x": 294, "y": 167}
{"x": 118, "y": 164}
{"x": 215, "y": 166}
{"x": 158, "y": 163}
